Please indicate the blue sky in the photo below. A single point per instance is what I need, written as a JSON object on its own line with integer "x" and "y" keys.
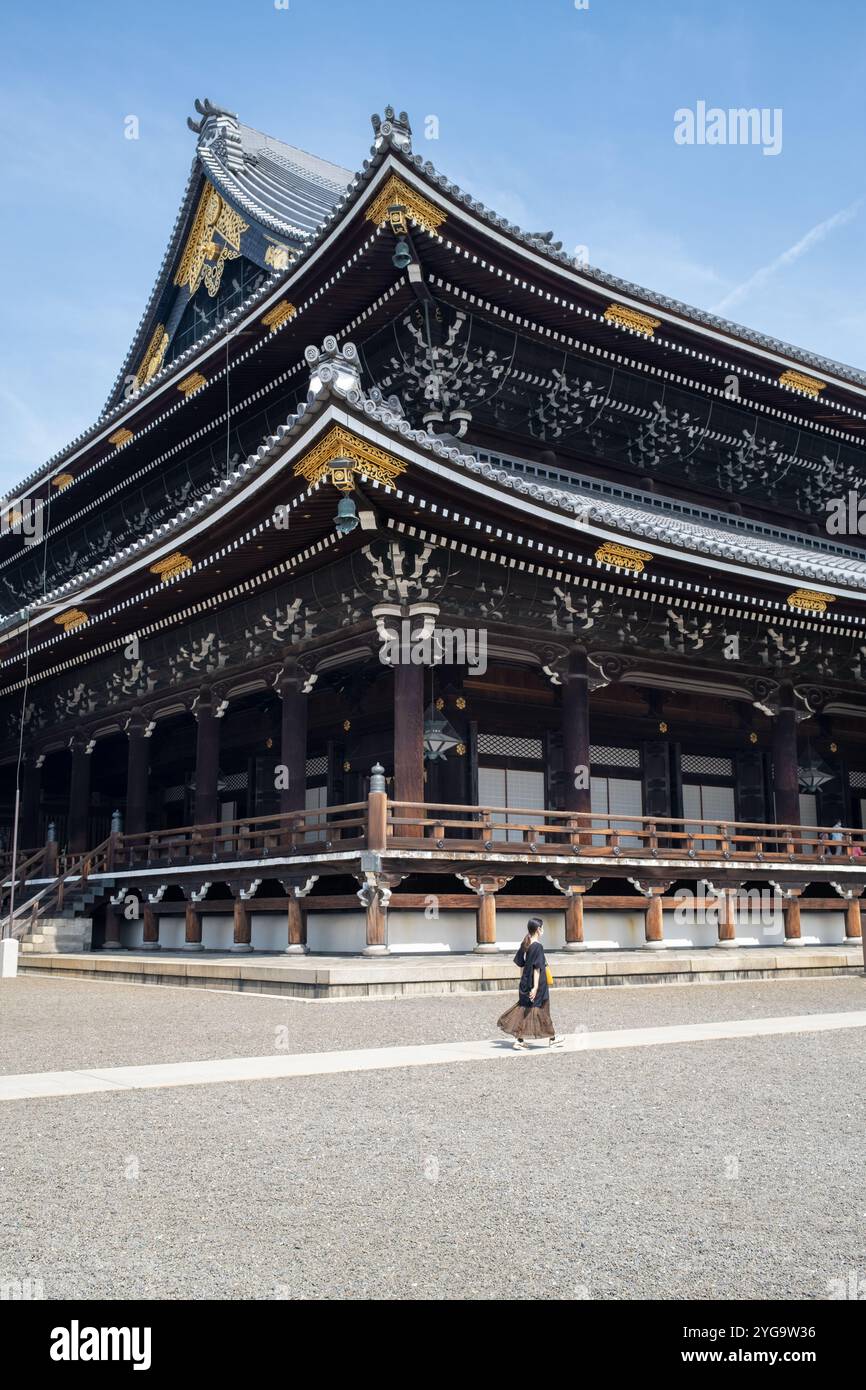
{"x": 556, "y": 117}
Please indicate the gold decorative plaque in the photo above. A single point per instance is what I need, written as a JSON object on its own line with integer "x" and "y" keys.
{"x": 204, "y": 256}
{"x": 623, "y": 556}
{"x": 810, "y": 600}
{"x": 810, "y": 385}
{"x": 425, "y": 213}
{"x": 631, "y": 318}
{"x": 171, "y": 566}
{"x": 71, "y": 619}
{"x": 340, "y": 453}
{"x": 120, "y": 437}
{"x": 192, "y": 383}
{"x": 280, "y": 314}
{"x": 152, "y": 359}
{"x": 62, "y": 480}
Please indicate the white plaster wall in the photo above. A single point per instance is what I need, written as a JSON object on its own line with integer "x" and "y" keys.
{"x": 336, "y": 931}
{"x": 217, "y": 931}
{"x": 678, "y": 934}
{"x": 269, "y": 931}
{"x": 614, "y": 931}
{"x": 511, "y": 929}
{"x": 411, "y": 931}
{"x": 824, "y": 928}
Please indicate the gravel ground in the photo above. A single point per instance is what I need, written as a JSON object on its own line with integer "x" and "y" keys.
{"x": 47, "y": 1025}
{"x": 702, "y": 1170}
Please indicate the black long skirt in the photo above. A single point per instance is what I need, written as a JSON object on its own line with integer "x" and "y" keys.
{"x": 531, "y": 1021}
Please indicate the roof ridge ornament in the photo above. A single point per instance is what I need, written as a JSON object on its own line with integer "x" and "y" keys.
{"x": 393, "y": 130}
{"x": 219, "y": 123}
{"x": 208, "y": 111}
{"x": 334, "y": 368}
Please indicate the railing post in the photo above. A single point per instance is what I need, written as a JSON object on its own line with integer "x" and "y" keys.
{"x": 50, "y": 864}
{"x": 377, "y": 811}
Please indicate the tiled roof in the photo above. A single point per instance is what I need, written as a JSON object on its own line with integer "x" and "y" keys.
{"x": 306, "y": 185}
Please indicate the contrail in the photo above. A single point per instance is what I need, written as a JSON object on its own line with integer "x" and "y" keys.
{"x": 793, "y": 253}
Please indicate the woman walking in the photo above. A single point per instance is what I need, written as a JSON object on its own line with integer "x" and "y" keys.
{"x": 530, "y": 1016}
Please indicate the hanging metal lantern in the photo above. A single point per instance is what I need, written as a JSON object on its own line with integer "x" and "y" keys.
{"x": 439, "y": 738}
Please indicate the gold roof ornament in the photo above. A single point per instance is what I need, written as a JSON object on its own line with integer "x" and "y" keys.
{"x": 279, "y": 256}
{"x": 120, "y": 437}
{"x": 62, "y": 480}
{"x": 71, "y": 619}
{"x": 204, "y": 257}
{"x": 625, "y": 317}
{"x": 810, "y": 600}
{"x": 152, "y": 360}
{"x": 398, "y": 193}
{"x": 192, "y": 383}
{"x": 799, "y": 381}
{"x": 280, "y": 314}
{"x": 625, "y": 557}
{"x": 171, "y": 566}
{"x": 340, "y": 454}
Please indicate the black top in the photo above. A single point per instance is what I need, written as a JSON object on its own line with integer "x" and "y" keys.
{"x": 530, "y": 961}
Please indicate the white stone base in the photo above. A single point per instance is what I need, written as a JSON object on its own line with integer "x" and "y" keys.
{"x": 8, "y": 957}
{"x": 299, "y": 949}
{"x": 375, "y": 951}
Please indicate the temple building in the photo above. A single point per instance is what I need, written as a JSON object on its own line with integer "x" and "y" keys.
{"x": 417, "y": 574}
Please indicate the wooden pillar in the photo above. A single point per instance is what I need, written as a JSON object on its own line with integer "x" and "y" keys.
{"x": 150, "y": 941}
{"x": 574, "y": 919}
{"x": 297, "y": 926}
{"x": 853, "y": 925}
{"x": 79, "y": 795}
{"x": 786, "y": 780}
{"x": 409, "y": 736}
{"x": 112, "y": 929}
{"x": 242, "y": 942}
{"x": 575, "y": 734}
{"x": 485, "y": 933}
{"x": 792, "y": 921}
{"x": 486, "y": 888}
{"x": 137, "y": 771}
{"x": 207, "y": 752}
{"x": 654, "y": 924}
{"x": 375, "y": 909}
{"x": 293, "y": 741}
{"x": 192, "y": 935}
{"x": 31, "y": 790}
{"x": 728, "y": 916}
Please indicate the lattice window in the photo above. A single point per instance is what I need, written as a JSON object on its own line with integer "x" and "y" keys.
{"x": 317, "y": 767}
{"x": 601, "y": 753}
{"x": 707, "y": 767}
{"x": 499, "y": 786}
{"x": 174, "y": 794}
{"x": 707, "y": 804}
{"x": 233, "y": 782}
{"x": 858, "y": 780}
{"x": 503, "y": 746}
{"x": 612, "y": 796}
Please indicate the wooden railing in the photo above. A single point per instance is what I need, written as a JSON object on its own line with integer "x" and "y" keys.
{"x": 51, "y": 897}
{"x": 258, "y": 837}
{"x": 441, "y": 832}
{"x": 479, "y": 829}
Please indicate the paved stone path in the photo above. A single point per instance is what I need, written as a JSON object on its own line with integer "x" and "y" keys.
{"x": 29, "y": 1085}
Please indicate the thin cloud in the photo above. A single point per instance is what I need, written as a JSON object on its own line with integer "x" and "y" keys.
{"x": 793, "y": 253}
